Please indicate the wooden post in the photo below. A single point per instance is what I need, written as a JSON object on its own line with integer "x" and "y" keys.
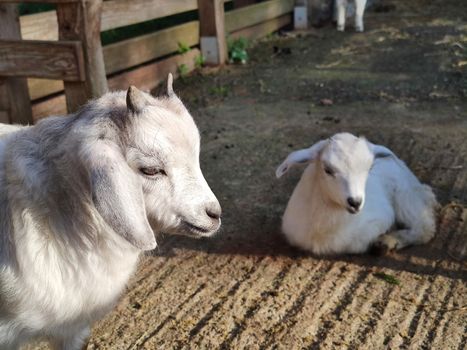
{"x": 15, "y": 103}
{"x": 300, "y": 14}
{"x": 212, "y": 31}
{"x": 82, "y": 21}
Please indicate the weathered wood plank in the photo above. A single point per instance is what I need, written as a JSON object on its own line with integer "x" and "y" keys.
{"x": 14, "y": 92}
{"x": 261, "y": 30}
{"x": 40, "y": 26}
{"x": 42, "y": 59}
{"x": 81, "y": 21}
{"x": 149, "y": 76}
{"x": 119, "y": 13}
{"x": 115, "y": 13}
{"x": 146, "y": 77}
{"x": 39, "y": 88}
{"x": 212, "y": 31}
{"x": 251, "y": 15}
{"x": 132, "y": 52}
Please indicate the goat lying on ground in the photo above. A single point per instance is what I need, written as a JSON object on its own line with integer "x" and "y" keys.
{"x": 81, "y": 197}
{"x": 352, "y": 195}
{"x": 340, "y": 9}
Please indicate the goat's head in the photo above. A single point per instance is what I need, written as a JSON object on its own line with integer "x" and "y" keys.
{"x": 143, "y": 162}
{"x": 342, "y": 165}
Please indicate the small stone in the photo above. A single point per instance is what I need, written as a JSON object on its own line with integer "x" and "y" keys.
{"x": 326, "y": 102}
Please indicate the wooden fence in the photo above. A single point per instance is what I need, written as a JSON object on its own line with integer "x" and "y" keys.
{"x": 53, "y": 61}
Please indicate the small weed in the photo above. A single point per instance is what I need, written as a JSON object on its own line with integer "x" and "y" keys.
{"x": 237, "y": 50}
{"x": 199, "y": 61}
{"x": 388, "y": 278}
{"x": 221, "y": 91}
{"x": 183, "y": 48}
{"x": 183, "y": 70}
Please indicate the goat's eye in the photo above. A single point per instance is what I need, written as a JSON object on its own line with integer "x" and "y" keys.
{"x": 152, "y": 171}
{"x": 329, "y": 171}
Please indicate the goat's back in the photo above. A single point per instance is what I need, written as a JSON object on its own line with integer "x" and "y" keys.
{"x": 6, "y": 129}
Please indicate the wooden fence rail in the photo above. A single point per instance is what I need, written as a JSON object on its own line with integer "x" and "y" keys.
{"x": 61, "y": 54}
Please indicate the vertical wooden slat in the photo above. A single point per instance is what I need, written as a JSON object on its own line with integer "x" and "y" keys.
{"x": 81, "y": 21}
{"x": 212, "y": 31}
{"x": 14, "y": 94}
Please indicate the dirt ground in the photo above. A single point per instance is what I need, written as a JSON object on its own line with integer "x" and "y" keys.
{"x": 402, "y": 83}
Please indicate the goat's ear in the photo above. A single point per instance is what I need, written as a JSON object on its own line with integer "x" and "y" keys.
{"x": 117, "y": 194}
{"x": 380, "y": 151}
{"x": 302, "y": 156}
{"x": 135, "y": 100}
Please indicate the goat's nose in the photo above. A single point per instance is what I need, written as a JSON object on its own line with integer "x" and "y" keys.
{"x": 214, "y": 211}
{"x": 354, "y": 202}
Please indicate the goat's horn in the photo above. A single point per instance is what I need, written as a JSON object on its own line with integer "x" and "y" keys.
{"x": 170, "y": 90}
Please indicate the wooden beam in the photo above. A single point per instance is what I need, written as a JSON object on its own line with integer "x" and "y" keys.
{"x": 81, "y": 21}
{"x": 39, "y": 88}
{"x": 146, "y": 77}
{"x": 135, "y": 51}
{"x": 14, "y": 94}
{"x": 40, "y": 26}
{"x": 128, "y": 53}
{"x": 212, "y": 31}
{"x": 250, "y": 15}
{"x": 261, "y": 30}
{"x": 42, "y": 59}
{"x": 149, "y": 76}
{"x": 117, "y": 13}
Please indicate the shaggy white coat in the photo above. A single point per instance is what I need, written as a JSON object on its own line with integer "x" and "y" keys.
{"x": 396, "y": 209}
{"x": 80, "y": 197}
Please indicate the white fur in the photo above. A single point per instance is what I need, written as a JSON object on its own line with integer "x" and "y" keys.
{"x": 319, "y": 218}
{"x": 340, "y": 9}
{"x": 76, "y": 210}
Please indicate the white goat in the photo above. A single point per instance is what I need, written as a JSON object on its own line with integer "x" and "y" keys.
{"x": 340, "y": 9}
{"x": 355, "y": 194}
{"x": 80, "y": 197}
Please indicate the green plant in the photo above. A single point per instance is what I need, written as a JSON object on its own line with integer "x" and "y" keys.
{"x": 199, "y": 61}
{"x": 388, "y": 278}
{"x": 221, "y": 91}
{"x": 237, "y": 50}
{"x": 183, "y": 70}
{"x": 183, "y": 48}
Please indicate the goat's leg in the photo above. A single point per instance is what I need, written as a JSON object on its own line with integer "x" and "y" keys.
{"x": 77, "y": 341}
{"x": 341, "y": 6}
{"x": 399, "y": 239}
{"x": 359, "y": 10}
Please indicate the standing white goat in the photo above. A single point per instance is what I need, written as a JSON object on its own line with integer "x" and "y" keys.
{"x": 355, "y": 194}
{"x": 80, "y": 197}
{"x": 340, "y": 9}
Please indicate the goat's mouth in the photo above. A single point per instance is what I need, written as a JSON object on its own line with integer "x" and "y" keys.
{"x": 353, "y": 210}
{"x": 192, "y": 230}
